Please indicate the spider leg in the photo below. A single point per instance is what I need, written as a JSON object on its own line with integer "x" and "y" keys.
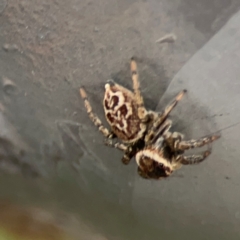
{"x": 173, "y": 139}
{"x": 185, "y": 145}
{"x": 118, "y": 145}
{"x": 128, "y": 156}
{"x": 162, "y": 116}
{"x": 194, "y": 159}
{"x": 129, "y": 152}
{"x": 173, "y": 104}
{"x": 152, "y": 136}
{"x": 142, "y": 113}
{"x": 94, "y": 118}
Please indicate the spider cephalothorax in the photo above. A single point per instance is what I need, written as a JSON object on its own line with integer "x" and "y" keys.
{"x": 143, "y": 133}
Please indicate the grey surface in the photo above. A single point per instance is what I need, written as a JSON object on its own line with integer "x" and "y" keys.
{"x": 51, "y": 48}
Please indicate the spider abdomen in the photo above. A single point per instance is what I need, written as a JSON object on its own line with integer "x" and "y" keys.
{"x": 122, "y": 114}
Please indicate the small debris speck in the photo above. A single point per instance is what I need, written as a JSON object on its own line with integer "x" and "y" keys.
{"x": 9, "y": 86}
{"x": 169, "y": 38}
{"x": 10, "y": 47}
{"x": 96, "y": 29}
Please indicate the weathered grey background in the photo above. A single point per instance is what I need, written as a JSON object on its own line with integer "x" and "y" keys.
{"x": 51, "y": 48}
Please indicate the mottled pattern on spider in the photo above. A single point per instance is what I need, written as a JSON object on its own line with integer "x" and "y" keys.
{"x": 143, "y": 133}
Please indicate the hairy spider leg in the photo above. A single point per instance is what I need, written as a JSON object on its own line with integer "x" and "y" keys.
{"x": 118, "y": 145}
{"x": 162, "y": 116}
{"x": 142, "y": 113}
{"x": 94, "y": 118}
{"x": 161, "y": 131}
{"x": 129, "y": 152}
{"x": 194, "y": 159}
{"x": 185, "y": 145}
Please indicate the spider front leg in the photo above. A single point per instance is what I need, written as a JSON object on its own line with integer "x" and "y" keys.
{"x": 173, "y": 140}
{"x": 142, "y": 113}
{"x": 176, "y": 142}
{"x": 162, "y": 130}
{"x": 163, "y": 116}
{"x": 185, "y": 145}
{"x": 94, "y": 118}
{"x": 129, "y": 152}
{"x": 193, "y": 159}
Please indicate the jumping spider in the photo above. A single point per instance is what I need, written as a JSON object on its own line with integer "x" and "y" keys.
{"x": 143, "y": 133}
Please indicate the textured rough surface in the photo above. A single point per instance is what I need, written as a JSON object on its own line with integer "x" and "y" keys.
{"x": 50, "y": 48}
